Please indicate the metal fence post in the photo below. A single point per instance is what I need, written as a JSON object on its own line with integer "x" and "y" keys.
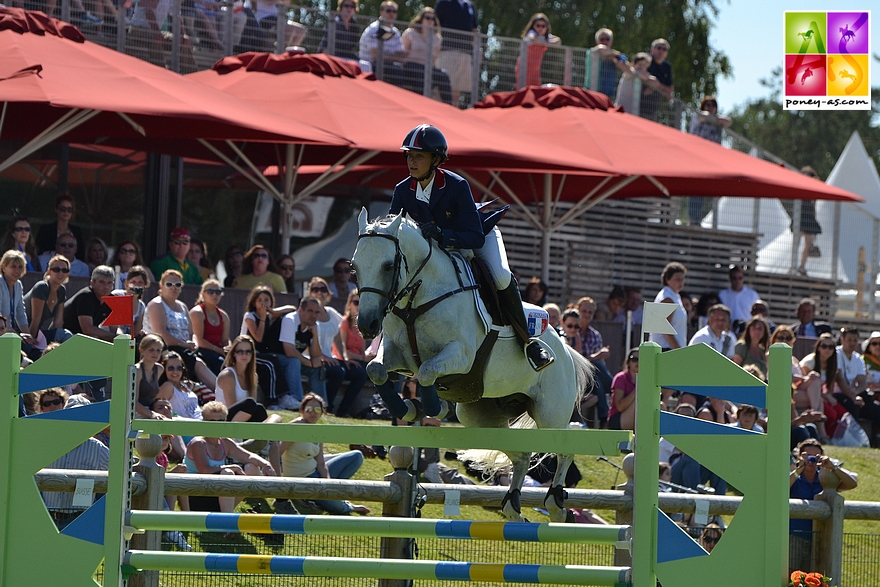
{"x": 401, "y": 458}
{"x": 568, "y": 63}
{"x": 380, "y": 58}
{"x": 226, "y": 10}
{"x": 796, "y": 233}
{"x": 177, "y": 36}
{"x": 428, "y": 78}
{"x": 331, "y": 33}
{"x": 65, "y": 10}
{"x": 281, "y": 29}
{"x": 121, "y": 28}
{"x": 523, "y": 65}
{"x": 476, "y": 74}
{"x": 835, "y": 241}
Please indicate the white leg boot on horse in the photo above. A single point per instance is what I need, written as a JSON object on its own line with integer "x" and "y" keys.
{"x": 511, "y": 304}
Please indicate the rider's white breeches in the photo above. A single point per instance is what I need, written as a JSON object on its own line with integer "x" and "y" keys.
{"x": 493, "y": 254}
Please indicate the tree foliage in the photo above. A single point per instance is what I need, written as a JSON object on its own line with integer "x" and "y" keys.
{"x": 686, "y": 24}
{"x": 806, "y": 137}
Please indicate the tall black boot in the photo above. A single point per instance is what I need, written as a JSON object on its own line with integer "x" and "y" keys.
{"x": 511, "y": 305}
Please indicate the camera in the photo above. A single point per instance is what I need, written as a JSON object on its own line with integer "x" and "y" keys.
{"x": 136, "y": 290}
{"x": 812, "y": 459}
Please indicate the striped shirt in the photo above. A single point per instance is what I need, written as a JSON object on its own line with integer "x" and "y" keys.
{"x": 91, "y": 455}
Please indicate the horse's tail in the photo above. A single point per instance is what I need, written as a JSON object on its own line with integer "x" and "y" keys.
{"x": 584, "y": 373}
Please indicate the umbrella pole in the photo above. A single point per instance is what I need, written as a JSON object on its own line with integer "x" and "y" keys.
{"x": 65, "y": 124}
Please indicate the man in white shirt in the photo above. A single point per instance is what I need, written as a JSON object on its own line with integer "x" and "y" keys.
{"x": 738, "y": 297}
{"x": 300, "y": 339}
{"x": 392, "y": 45}
{"x": 852, "y": 366}
{"x": 715, "y": 333}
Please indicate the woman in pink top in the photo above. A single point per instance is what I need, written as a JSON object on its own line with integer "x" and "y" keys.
{"x": 353, "y": 352}
{"x": 622, "y": 414}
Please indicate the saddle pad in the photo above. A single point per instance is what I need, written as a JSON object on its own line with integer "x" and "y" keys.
{"x": 467, "y": 278}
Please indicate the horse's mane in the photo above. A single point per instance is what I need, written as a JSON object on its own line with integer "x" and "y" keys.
{"x": 385, "y": 221}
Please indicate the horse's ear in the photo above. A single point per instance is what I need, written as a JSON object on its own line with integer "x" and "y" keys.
{"x": 394, "y": 227}
{"x": 362, "y": 221}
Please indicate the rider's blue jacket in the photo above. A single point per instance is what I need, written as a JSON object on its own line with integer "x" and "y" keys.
{"x": 451, "y": 207}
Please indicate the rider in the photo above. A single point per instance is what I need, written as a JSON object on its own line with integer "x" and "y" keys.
{"x": 442, "y": 204}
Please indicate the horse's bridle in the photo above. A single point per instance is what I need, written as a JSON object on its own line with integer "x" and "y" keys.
{"x": 409, "y": 314}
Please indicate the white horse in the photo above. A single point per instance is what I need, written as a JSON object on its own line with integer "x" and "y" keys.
{"x": 397, "y": 267}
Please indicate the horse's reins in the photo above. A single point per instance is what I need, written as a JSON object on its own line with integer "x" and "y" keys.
{"x": 408, "y": 314}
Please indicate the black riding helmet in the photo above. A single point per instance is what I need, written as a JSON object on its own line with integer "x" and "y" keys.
{"x": 428, "y": 139}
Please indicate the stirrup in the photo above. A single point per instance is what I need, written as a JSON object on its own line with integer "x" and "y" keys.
{"x": 539, "y": 354}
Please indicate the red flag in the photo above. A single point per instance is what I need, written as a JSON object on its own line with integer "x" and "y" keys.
{"x": 120, "y": 311}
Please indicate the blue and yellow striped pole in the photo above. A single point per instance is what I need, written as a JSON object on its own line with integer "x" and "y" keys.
{"x": 376, "y": 568}
{"x": 383, "y": 527}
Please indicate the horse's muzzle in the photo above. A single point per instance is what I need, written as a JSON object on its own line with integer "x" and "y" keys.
{"x": 369, "y": 327}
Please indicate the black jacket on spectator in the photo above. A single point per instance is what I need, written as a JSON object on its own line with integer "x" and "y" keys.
{"x": 84, "y": 303}
{"x": 346, "y": 42}
{"x": 462, "y": 17}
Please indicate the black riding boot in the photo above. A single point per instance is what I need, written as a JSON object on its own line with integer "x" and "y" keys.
{"x": 511, "y": 305}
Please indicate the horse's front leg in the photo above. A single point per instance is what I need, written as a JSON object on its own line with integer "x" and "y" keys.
{"x": 510, "y": 505}
{"x": 390, "y": 358}
{"x": 452, "y": 359}
{"x": 554, "y": 501}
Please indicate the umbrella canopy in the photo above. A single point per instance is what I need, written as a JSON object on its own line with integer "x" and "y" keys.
{"x": 55, "y": 85}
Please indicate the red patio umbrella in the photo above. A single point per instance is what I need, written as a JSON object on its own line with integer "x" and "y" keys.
{"x": 375, "y": 116}
{"x": 55, "y": 85}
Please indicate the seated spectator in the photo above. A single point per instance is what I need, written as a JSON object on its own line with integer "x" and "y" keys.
{"x": 286, "y": 269}
{"x": 852, "y": 366}
{"x": 52, "y": 399}
{"x": 207, "y": 455}
{"x": 342, "y": 285}
{"x": 804, "y": 483}
{"x": 747, "y": 418}
{"x": 178, "y": 249}
{"x": 346, "y": 33}
{"x": 47, "y": 236}
{"x": 299, "y": 339}
{"x": 329, "y": 323}
{"x": 279, "y": 377}
{"x": 257, "y": 270}
{"x": 353, "y": 353}
{"x": 710, "y": 536}
{"x": 44, "y": 303}
{"x": 634, "y": 304}
{"x": 136, "y": 281}
{"x": 635, "y": 82}
{"x": 807, "y": 324}
{"x": 84, "y": 313}
{"x": 66, "y": 245}
{"x": 415, "y": 45}
{"x": 535, "y": 292}
{"x": 602, "y": 64}
{"x": 823, "y": 361}
{"x": 237, "y": 384}
{"x": 716, "y": 410}
{"x": 715, "y": 333}
{"x": 198, "y": 256}
{"x": 705, "y": 302}
{"x": 169, "y": 318}
{"x": 232, "y": 263}
{"x": 693, "y": 321}
{"x": 871, "y": 356}
{"x": 597, "y": 353}
{"x": 537, "y": 37}
{"x": 554, "y": 316}
{"x": 611, "y": 310}
{"x": 96, "y": 253}
{"x": 177, "y": 389}
{"x": 126, "y": 256}
{"x": 20, "y": 237}
{"x": 12, "y": 267}
{"x": 571, "y": 325}
{"x": 306, "y": 459}
{"x": 148, "y": 373}
{"x": 622, "y": 415}
{"x": 210, "y": 325}
{"x": 392, "y": 47}
{"x": 751, "y": 349}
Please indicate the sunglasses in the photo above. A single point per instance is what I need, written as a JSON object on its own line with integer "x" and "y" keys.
{"x": 349, "y": 6}
{"x": 175, "y": 284}
{"x": 342, "y": 270}
{"x": 21, "y": 229}
{"x": 243, "y": 352}
{"x": 52, "y": 402}
{"x": 127, "y": 251}
{"x": 826, "y": 346}
{"x": 59, "y": 270}
{"x": 66, "y": 245}
{"x": 65, "y": 208}
{"x": 632, "y": 358}
{"x": 214, "y": 292}
{"x": 784, "y": 338}
{"x": 174, "y": 368}
{"x": 260, "y": 255}
{"x": 575, "y": 326}
{"x": 286, "y": 267}
{"x": 356, "y": 302}
{"x": 427, "y": 17}
{"x": 321, "y": 289}
{"x": 314, "y": 410}
{"x": 711, "y": 539}
{"x": 874, "y": 343}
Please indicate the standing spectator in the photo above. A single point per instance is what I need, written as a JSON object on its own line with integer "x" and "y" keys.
{"x": 20, "y": 238}
{"x": 66, "y": 245}
{"x": 622, "y": 415}
{"x": 287, "y": 269}
{"x": 706, "y": 123}
{"x": 603, "y": 62}
{"x": 738, "y": 297}
{"x": 257, "y": 270}
{"x": 44, "y": 303}
{"x": 96, "y": 253}
{"x": 662, "y": 70}
{"x": 715, "y": 333}
{"x": 392, "y": 46}
{"x": 342, "y": 284}
{"x": 210, "y": 325}
{"x": 597, "y": 353}
{"x": 126, "y": 256}
{"x": 810, "y": 227}
{"x": 804, "y": 483}
{"x": 176, "y": 259}
{"x": 353, "y": 352}
{"x": 806, "y": 324}
{"x": 628, "y": 95}
{"x": 346, "y": 32}
{"x": 457, "y": 52}
{"x": 232, "y": 263}
{"x": 751, "y": 349}
{"x": 84, "y": 312}
{"x": 537, "y": 37}
{"x": 672, "y": 279}
{"x": 65, "y": 208}
{"x": 415, "y": 43}
{"x": 198, "y": 256}
{"x": 169, "y": 318}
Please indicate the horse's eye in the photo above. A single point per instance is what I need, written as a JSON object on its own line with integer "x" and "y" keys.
{"x": 387, "y": 266}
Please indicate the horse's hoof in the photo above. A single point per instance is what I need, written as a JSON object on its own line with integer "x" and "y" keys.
{"x": 558, "y": 494}
{"x": 511, "y": 506}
